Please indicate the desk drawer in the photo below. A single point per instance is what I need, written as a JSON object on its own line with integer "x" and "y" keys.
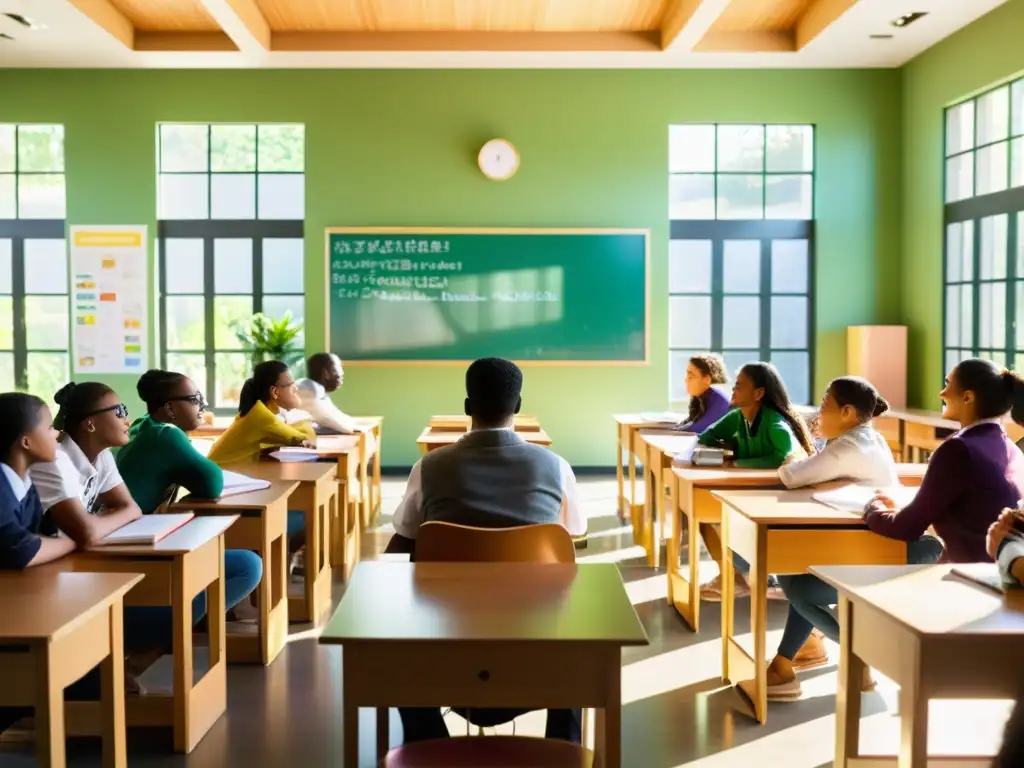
{"x": 485, "y": 674}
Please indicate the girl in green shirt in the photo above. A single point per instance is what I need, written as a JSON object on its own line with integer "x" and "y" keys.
{"x": 763, "y": 431}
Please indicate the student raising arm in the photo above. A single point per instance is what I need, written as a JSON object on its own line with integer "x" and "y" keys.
{"x": 707, "y": 404}
{"x": 81, "y": 491}
{"x": 270, "y": 389}
{"x": 27, "y": 437}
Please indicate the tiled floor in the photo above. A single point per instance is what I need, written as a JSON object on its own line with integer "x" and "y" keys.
{"x": 676, "y": 710}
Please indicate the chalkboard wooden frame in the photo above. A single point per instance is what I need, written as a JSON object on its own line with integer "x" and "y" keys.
{"x": 431, "y": 231}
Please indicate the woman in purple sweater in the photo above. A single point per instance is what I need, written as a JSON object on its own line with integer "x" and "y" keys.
{"x": 973, "y": 475}
{"x": 707, "y": 404}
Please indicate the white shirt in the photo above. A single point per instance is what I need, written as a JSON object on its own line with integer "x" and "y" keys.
{"x": 318, "y": 405}
{"x": 72, "y": 476}
{"x": 409, "y": 515}
{"x": 861, "y": 455}
{"x": 19, "y": 485}
{"x": 994, "y": 420}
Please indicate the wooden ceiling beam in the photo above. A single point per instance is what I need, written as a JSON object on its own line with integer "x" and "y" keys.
{"x": 104, "y": 15}
{"x": 686, "y": 21}
{"x": 817, "y": 18}
{"x": 243, "y": 22}
{"x": 466, "y": 41}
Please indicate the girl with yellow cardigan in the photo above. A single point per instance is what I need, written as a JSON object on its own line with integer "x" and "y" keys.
{"x": 258, "y": 425}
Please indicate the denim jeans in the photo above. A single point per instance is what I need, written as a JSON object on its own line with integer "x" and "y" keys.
{"x": 811, "y": 600}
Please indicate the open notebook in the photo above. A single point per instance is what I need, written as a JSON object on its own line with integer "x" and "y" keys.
{"x": 986, "y": 574}
{"x": 234, "y": 484}
{"x": 295, "y": 454}
{"x": 148, "y": 529}
{"x": 853, "y": 498}
{"x": 664, "y": 417}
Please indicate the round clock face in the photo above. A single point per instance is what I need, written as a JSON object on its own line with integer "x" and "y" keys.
{"x": 498, "y": 159}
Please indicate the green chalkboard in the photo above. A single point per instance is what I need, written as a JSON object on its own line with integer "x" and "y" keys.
{"x": 531, "y": 295}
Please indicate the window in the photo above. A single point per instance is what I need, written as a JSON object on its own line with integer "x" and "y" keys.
{"x": 740, "y": 249}
{"x": 231, "y": 205}
{"x": 34, "y": 325}
{"x": 984, "y": 223}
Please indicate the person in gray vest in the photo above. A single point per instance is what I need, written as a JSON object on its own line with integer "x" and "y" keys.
{"x": 491, "y": 478}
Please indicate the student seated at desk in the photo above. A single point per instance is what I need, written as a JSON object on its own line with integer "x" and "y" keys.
{"x": 491, "y": 478}
{"x": 707, "y": 404}
{"x": 159, "y": 459}
{"x": 763, "y": 432}
{"x": 856, "y": 452}
{"x": 326, "y": 375}
{"x": 27, "y": 437}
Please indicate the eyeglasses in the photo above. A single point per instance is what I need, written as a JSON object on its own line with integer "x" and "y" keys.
{"x": 120, "y": 410}
{"x": 196, "y": 399}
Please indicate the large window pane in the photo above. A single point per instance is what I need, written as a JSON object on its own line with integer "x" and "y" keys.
{"x": 184, "y": 196}
{"x": 184, "y": 148}
{"x": 795, "y": 369}
{"x": 789, "y": 148}
{"x": 689, "y": 266}
{"x": 6, "y": 322}
{"x": 1020, "y": 244}
{"x": 276, "y": 307}
{"x": 993, "y": 255}
{"x": 41, "y": 196}
{"x": 233, "y": 147}
{"x": 741, "y": 148}
{"x": 193, "y": 366}
{"x": 740, "y": 197}
{"x": 231, "y": 314}
{"x": 8, "y": 197}
{"x": 41, "y": 148}
{"x": 689, "y": 322}
{"x": 966, "y": 315}
{"x": 959, "y": 250}
{"x": 737, "y": 358}
{"x": 1017, "y": 162}
{"x": 1017, "y": 104}
{"x": 691, "y": 196}
{"x": 993, "y": 169}
{"x": 691, "y": 148}
{"x": 741, "y": 322}
{"x": 282, "y": 148}
{"x": 790, "y": 268}
{"x": 283, "y": 264}
{"x": 232, "y": 371}
{"x": 789, "y": 322}
{"x": 232, "y": 265}
{"x": 993, "y": 116}
{"x": 186, "y": 322}
{"x": 959, "y": 177}
{"x": 46, "y": 322}
{"x": 741, "y": 266}
{"x": 6, "y": 371}
{"x": 7, "y": 159}
{"x": 1019, "y": 324}
{"x": 6, "y": 273}
{"x": 233, "y": 196}
{"x": 959, "y": 128}
{"x": 183, "y": 260}
{"x": 46, "y": 266}
{"x": 787, "y": 197}
{"x": 992, "y": 315}
{"x": 282, "y": 196}
{"x": 47, "y": 373}
{"x": 953, "y": 317}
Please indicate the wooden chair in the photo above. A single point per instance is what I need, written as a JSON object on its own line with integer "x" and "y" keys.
{"x": 451, "y": 543}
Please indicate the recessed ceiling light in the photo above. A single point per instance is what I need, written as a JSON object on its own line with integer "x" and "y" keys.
{"x": 880, "y": 37}
{"x": 908, "y": 18}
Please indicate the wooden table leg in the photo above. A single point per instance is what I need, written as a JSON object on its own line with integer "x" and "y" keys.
{"x": 378, "y": 496}
{"x": 181, "y": 608}
{"x": 851, "y": 673}
{"x": 619, "y": 500}
{"x": 759, "y": 626}
{"x": 728, "y": 598}
{"x": 112, "y": 722}
{"x": 631, "y": 458}
{"x": 672, "y": 568}
{"x": 49, "y": 714}
{"x": 350, "y": 718}
{"x": 913, "y": 703}
{"x": 383, "y": 738}
{"x": 693, "y": 544}
{"x": 611, "y": 743}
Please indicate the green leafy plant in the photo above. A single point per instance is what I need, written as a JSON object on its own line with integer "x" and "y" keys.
{"x": 264, "y": 338}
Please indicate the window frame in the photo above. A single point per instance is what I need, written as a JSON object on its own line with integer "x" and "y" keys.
{"x": 1008, "y": 202}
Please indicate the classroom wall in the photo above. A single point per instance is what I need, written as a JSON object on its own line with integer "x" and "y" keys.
{"x": 399, "y": 147}
{"x": 976, "y": 58}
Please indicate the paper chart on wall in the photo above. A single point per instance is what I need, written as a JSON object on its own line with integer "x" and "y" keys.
{"x": 109, "y": 324}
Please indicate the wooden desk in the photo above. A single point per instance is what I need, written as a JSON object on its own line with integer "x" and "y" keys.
{"x": 658, "y": 448}
{"x": 691, "y": 493}
{"x": 783, "y": 532}
{"x": 375, "y": 426}
{"x": 430, "y": 440}
{"x": 261, "y": 527}
{"x": 521, "y": 423}
{"x": 627, "y": 445}
{"x": 177, "y": 568}
{"x": 354, "y": 496}
{"x": 61, "y": 625}
{"x": 317, "y": 497}
{"x": 936, "y": 635}
{"x": 542, "y": 645}
{"x": 922, "y": 432}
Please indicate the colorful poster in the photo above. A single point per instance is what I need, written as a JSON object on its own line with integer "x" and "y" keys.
{"x": 109, "y": 332}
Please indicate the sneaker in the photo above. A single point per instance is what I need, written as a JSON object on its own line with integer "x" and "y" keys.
{"x": 712, "y": 590}
{"x": 782, "y": 690}
{"x": 812, "y": 654}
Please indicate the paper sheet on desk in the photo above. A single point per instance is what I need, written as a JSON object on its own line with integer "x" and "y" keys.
{"x": 853, "y": 498}
{"x": 684, "y": 456}
{"x": 295, "y": 454}
{"x": 235, "y": 483}
{"x": 667, "y": 417}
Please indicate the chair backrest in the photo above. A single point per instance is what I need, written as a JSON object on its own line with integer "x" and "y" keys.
{"x": 451, "y": 543}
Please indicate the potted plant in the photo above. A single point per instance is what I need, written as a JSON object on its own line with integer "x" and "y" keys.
{"x": 264, "y": 338}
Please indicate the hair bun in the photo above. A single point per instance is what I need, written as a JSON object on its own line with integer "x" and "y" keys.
{"x": 64, "y": 393}
{"x": 881, "y": 406}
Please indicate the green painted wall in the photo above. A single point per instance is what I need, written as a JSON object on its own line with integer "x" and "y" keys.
{"x": 399, "y": 147}
{"x": 977, "y": 57}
